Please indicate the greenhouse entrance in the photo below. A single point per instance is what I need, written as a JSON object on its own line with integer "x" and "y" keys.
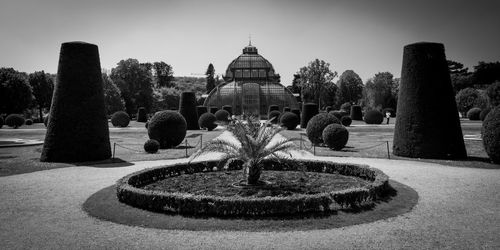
{"x": 251, "y": 99}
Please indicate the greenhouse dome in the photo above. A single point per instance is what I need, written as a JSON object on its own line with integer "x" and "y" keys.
{"x": 250, "y": 86}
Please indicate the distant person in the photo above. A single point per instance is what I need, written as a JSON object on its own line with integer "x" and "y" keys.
{"x": 388, "y": 116}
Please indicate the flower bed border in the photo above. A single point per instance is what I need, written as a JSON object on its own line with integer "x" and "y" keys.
{"x": 129, "y": 191}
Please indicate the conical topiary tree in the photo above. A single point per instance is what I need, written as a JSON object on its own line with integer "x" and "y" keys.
{"x": 187, "y": 108}
{"x": 356, "y": 113}
{"x": 142, "y": 116}
{"x": 427, "y": 124}
{"x": 308, "y": 111}
{"x": 78, "y": 127}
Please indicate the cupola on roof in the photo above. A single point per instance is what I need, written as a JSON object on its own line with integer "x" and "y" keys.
{"x": 250, "y": 66}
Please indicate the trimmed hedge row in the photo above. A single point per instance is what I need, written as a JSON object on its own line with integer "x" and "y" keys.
{"x": 129, "y": 191}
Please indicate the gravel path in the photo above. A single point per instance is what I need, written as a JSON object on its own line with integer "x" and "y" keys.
{"x": 459, "y": 208}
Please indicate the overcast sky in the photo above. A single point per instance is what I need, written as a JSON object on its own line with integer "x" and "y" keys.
{"x": 365, "y": 36}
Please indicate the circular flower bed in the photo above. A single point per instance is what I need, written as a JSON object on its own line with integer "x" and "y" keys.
{"x": 132, "y": 190}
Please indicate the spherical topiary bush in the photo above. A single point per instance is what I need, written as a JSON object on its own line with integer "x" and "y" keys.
{"x": 120, "y": 119}
{"x": 335, "y": 136}
{"x": 356, "y": 113}
{"x": 289, "y": 120}
{"x": 28, "y": 122}
{"x": 484, "y": 113}
{"x": 1, "y": 121}
{"x": 213, "y": 110}
{"x": 491, "y": 134}
{"x": 274, "y": 115}
{"x": 151, "y": 146}
{"x": 317, "y": 124}
{"x": 346, "y": 121}
{"x": 473, "y": 114}
{"x": 374, "y": 117}
{"x": 222, "y": 115}
{"x": 273, "y": 107}
{"x": 168, "y": 128}
{"x": 142, "y": 116}
{"x": 286, "y": 109}
{"x": 228, "y": 108}
{"x": 14, "y": 120}
{"x": 207, "y": 120}
{"x": 336, "y": 113}
{"x": 391, "y": 111}
{"x": 308, "y": 111}
{"x": 187, "y": 108}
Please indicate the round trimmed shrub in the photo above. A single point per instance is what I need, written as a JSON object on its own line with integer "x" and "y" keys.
{"x": 390, "y": 110}
{"x": 273, "y": 107}
{"x": 207, "y": 120}
{"x": 168, "y": 128}
{"x": 317, "y": 124}
{"x": 491, "y": 134}
{"x": 308, "y": 111}
{"x": 289, "y": 120}
{"x": 473, "y": 114}
{"x": 187, "y": 108}
{"x": 213, "y": 110}
{"x": 356, "y": 113}
{"x": 151, "y": 146}
{"x": 346, "y": 121}
{"x": 28, "y": 122}
{"x": 142, "y": 116}
{"x": 222, "y": 115}
{"x": 120, "y": 119}
{"x": 14, "y": 120}
{"x": 1, "y": 121}
{"x": 228, "y": 108}
{"x": 274, "y": 114}
{"x": 286, "y": 109}
{"x": 374, "y": 117}
{"x": 484, "y": 113}
{"x": 336, "y": 113}
{"x": 335, "y": 136}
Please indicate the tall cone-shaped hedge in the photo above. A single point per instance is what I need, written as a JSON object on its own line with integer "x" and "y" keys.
{"x": 427, "y": 122}
{"x": 187, "y": 108}
{"x": 78, "y": 127}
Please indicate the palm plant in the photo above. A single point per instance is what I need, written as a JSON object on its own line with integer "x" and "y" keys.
{"x": 253, "y": 147}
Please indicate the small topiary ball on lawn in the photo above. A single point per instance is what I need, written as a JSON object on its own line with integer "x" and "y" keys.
{"x": 120, "y": 119}
{"x": 14, "y": 120}
{"x": 346, "y": 121}
{"x": 473, "y": 114}
{"x": 317, "y": 124}
{"x": 335, "y": 136}
{"x": 207, "y": 120}
{"x": 222, "y": 115}
{"x": 142, "y": 116}
{"x": 373, "y": 117}
{"x": 29, "y": 122}
{"x": 274, "y": 114}
{"x": 168, "y": 128}
{"x": 484, "y": 113}
{"x": 289, "y": 120}
{"x": 151, "y": 146}
{"x": 491, "y": 134}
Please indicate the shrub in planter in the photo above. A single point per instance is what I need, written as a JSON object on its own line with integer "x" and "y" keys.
{"x": 14, "y": 120}
{"x": 337, "y": 113}
{"x": 273, "y": 107}
{"x": 142, "y": 116}
{"x": 289, "y": 120}
{"x": 1, "y": 121}
{"x": 390, "y": 110}
{"x": 120, "y": 119}
{"x": 286, "y": 109}
{"x": 356, "y": 113}
{"x": 222, "y": 115}
{"x": 274, "y": 114}
{"x": 168, "y": 128}
{"x": 228, "y": 108}
{"x": 473, "y": 114}
{"x": 346, "y": 121}
{"x": 335, "y": 136}
{"x": 491, "y": 134}
{"x": 213, "y": 110}
{"x": 308, "y": 111}
{"x": 187, "y": 108}
{"x": 317, "y": 124}
{"x": 207, "y": 120}
{"x": 484, "y": 113}
{"x": 151, "y": 146}
{"x": 374, "y": 117}
{"x": 28, "y": 122}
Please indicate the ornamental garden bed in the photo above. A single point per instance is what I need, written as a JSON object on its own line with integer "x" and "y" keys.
{"x": 287, "y": 188}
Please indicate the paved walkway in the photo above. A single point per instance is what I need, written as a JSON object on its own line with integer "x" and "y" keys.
{"x": 459, "y": 208}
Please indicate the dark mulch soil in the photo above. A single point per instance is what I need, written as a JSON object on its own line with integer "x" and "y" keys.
{"x": 104, "y": 205}
{"x": 278, "y": 183}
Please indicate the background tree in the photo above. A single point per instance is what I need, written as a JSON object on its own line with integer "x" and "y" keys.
{"x": 314, "y": 78}
{"x": 378, "y": 92}
{"x": 350, "y": 88}
{"x": 113, "y": 100}
{"x": 163, "y": 74}
{"x": 461, "y": 78}
{"x": 329, "y": 95}
{"x": 487, "y": 73}
{"x": 210, "y": 73}
{"x": 15, "y": 92}
{"x": 42, "y": 86}
{"x": 166, "y": 98}
{"x": 135, "y": 82}
{"x": 295, "y": 87}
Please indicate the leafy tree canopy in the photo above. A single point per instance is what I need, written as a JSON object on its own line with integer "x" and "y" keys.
{"x": 15, "y": 92}
{"x": 350, "y": 87}
{"x": 314, "y": 78}
{"x": 42, "y": 85}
